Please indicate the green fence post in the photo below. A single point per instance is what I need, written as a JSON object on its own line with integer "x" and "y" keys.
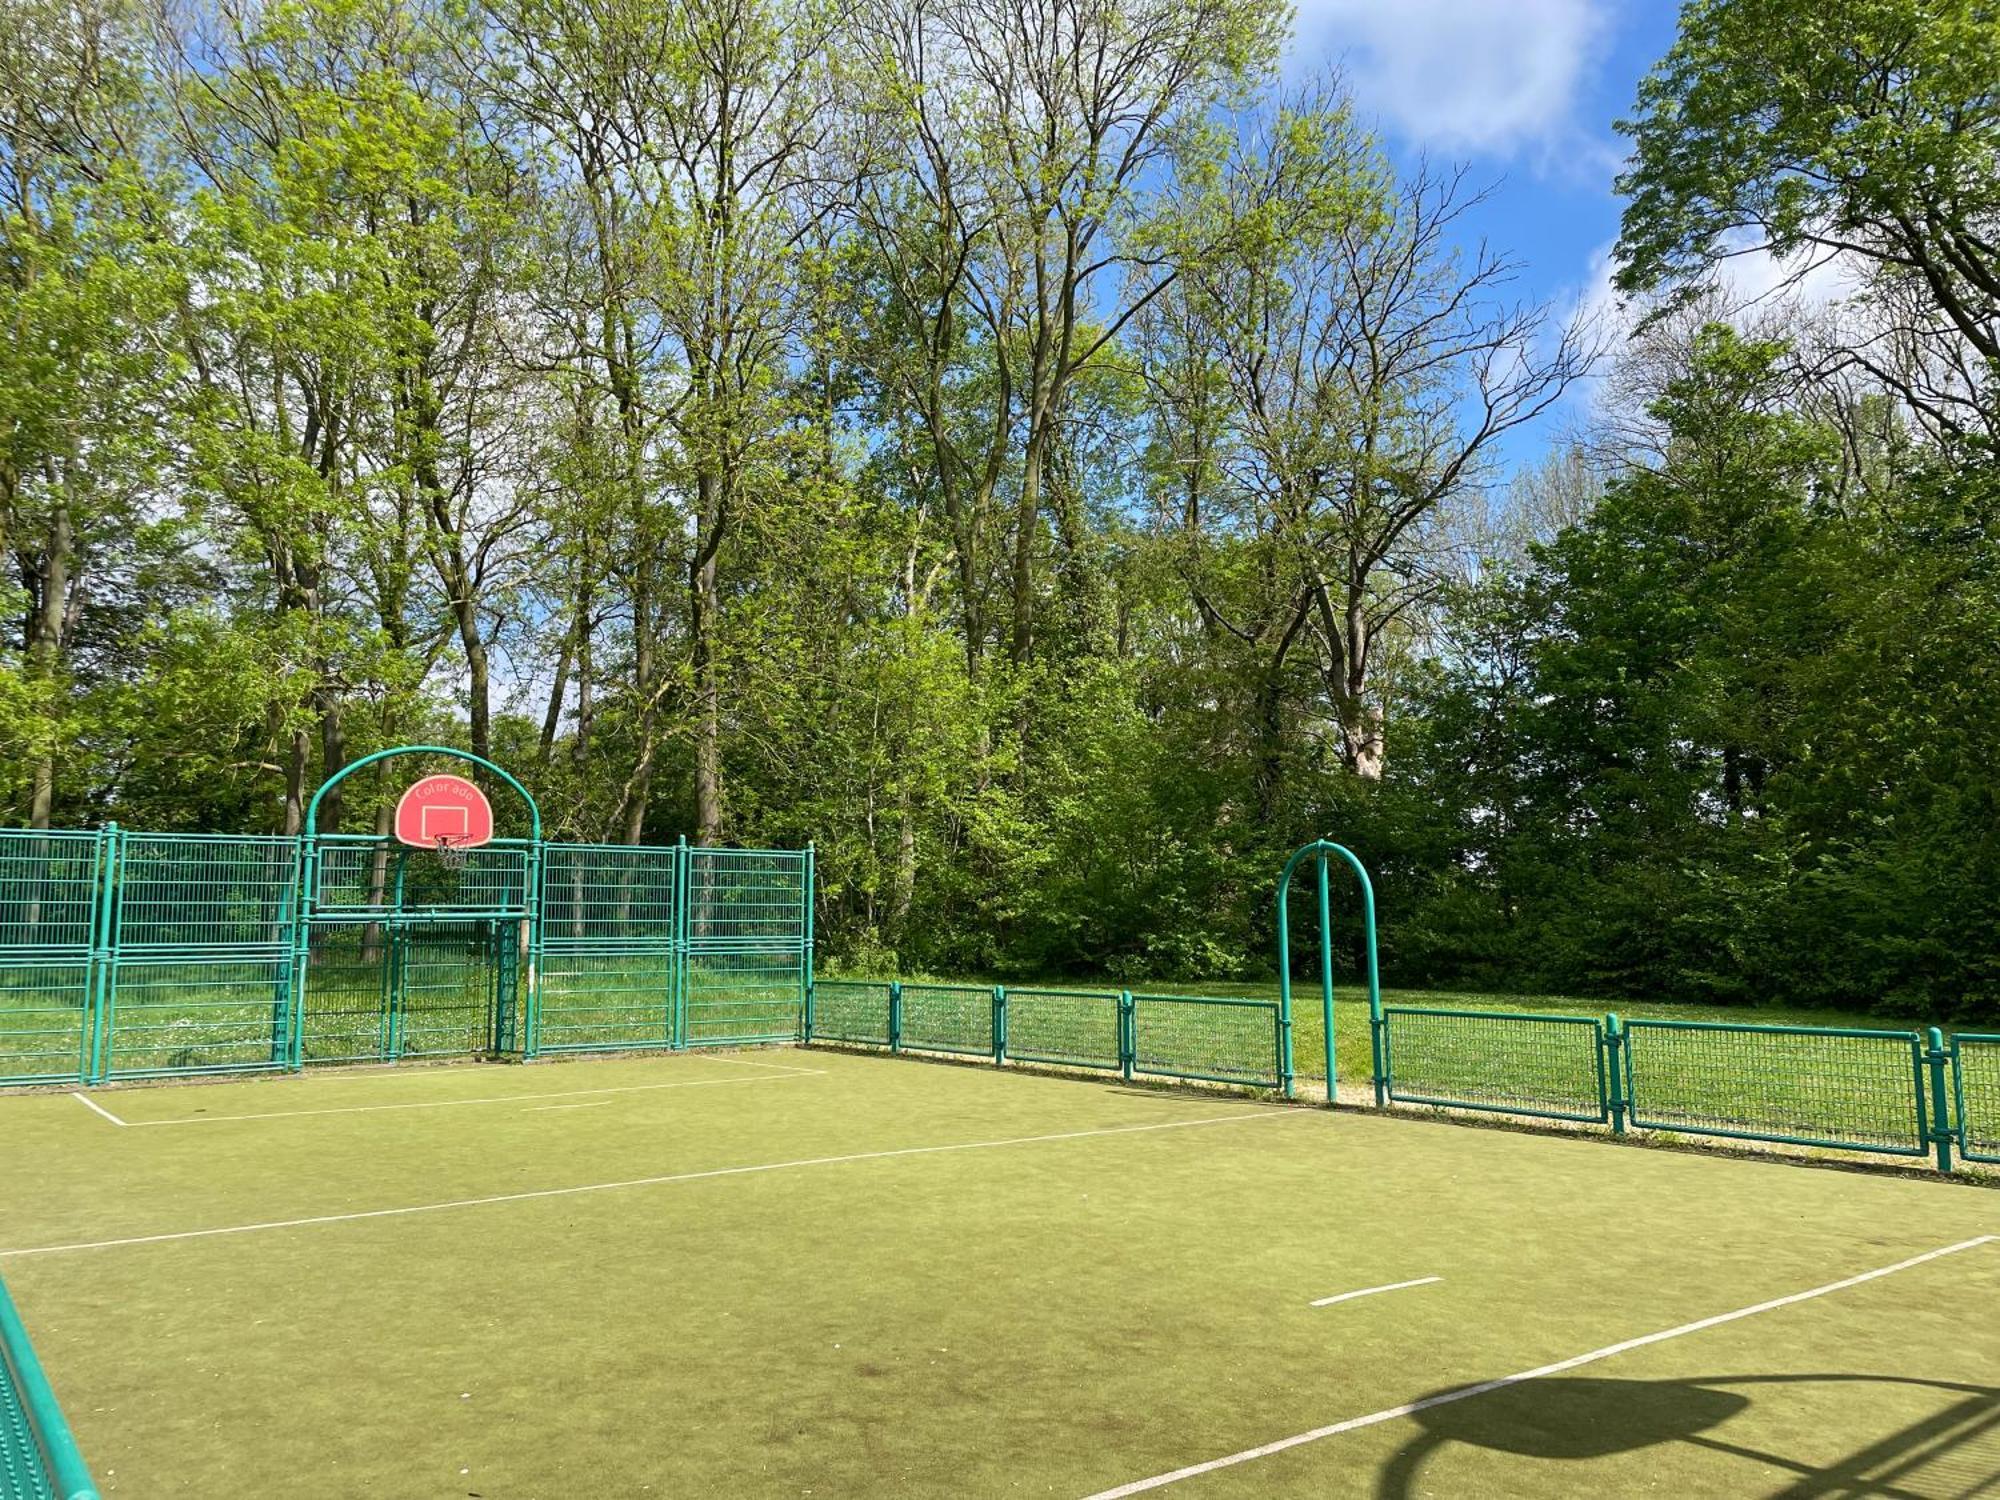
{"x": 999, "y": 1024}
{"x": 1614, "y": 1069}
{"x": 677, "y": 987}
{"x": 1128, "y": 1034}
{"x": 1326, "y": 972}
{"x": 895, "y": 1015}
{"x": 527, "y": 934}
{"x": 806, "y": 969}
{"x": 99, "y": 977}
{"x": 1934, "y": 1059}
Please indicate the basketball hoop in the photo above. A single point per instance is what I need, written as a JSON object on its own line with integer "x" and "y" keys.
{"x": 445, "y": 814}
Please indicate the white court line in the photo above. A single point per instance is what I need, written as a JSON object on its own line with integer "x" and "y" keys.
{"x": 1369, "y": 1291}
{"x": 600, "y": 1103}
{"x": 89, "y": 1103}
{"x": 369, "y": 1109}
{"x": 638, "y": 1182}
{"x": 1445, "y": 1398}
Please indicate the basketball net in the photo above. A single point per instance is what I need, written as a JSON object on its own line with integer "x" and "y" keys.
{"x": 450, "y": 855}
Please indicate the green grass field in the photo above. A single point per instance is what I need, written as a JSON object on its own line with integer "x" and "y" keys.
{"x": 811, "y": 1272}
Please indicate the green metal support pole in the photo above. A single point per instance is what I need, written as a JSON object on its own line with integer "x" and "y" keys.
{"x": 677, "y": 998}
{"x": 806, "y": 970}
{"x": 1935, "y": 1057}
{"x": 895, "y": 1015}
{"x": 1285, "y": 984}
{"x": 308, "y": 864}
{"x": 999, "y": 1024}
{"x": 527, "y": 940}
{"x": 102, "y": 953}
{"x": 1128, "y": 1034}
{"x": 1326, "y": 970}
{"x": 1614, "y": 1069}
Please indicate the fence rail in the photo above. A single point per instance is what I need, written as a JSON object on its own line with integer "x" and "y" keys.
{"x": 39, "y": 1459}
{"x": 126, "y": 954}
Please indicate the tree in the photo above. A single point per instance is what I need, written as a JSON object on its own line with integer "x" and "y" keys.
{"x": 1861, "y": 129}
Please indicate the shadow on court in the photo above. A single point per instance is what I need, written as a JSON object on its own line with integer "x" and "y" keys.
{"x": 1953, "y": 1452}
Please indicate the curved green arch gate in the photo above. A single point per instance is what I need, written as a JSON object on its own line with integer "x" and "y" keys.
{"x": 396, "y": 954}
{"x": 1319, "y": 851}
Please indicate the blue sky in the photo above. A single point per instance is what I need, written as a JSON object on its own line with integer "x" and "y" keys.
{"x": 1524, "y": 92}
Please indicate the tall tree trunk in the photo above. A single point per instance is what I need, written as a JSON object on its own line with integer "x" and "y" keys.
{"x": 707, "y": 690}
{"x": 45, "y": 650}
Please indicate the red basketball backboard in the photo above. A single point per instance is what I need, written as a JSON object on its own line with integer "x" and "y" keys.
{"x": 444, "y": 812}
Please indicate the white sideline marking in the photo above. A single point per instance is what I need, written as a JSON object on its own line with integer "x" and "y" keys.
{"x": 89, "y": 1103}
{"x": 638, "y": 1182}
{"x": 1445, "y": 1398}
{"x": 600, "y": 1103}
{"x": 1369, "y": 1291}
{"x": 369, "y": 1109}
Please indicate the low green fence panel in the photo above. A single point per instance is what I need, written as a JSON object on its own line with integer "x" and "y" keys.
{"x": 1208, "y": 1039}
{"x": 854, "y": 1011}
{"x": 747, "y": 937}
{"x": 1072, "y": 1028}
{"x": 610, "y": 960}
{"x": 39, "y": 1459}
{"x": 49, "y": 888}
{"x": 947, "y": 1018}
{"x": 1848, "y": 1090}
{"x": 1541, "y": 1066}
{"x": 1975, "y": 1071}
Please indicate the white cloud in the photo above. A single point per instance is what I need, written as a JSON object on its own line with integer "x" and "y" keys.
{"x": 1486, "y": 76}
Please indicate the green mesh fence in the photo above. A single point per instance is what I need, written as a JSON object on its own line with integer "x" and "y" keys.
{"x": 1548, "y": 1067}
{"x": 1073, "y": 1028}
{"x": 199, "y": 961}
{"x": 747, "y": 937}
{"x": 1208, "y": 1039}
{"x": 854, "y": 1011}
{"x": 1975, "y": 1067}
{"x": 131, "y": 955}
{"x": 947, "y": 1018}
{"x": 38, "y": 1456}
{"x": 1846, "y": 1089}
{"x": 609, "y": 969}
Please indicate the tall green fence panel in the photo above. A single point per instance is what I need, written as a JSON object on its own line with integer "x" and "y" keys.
{"x": 1849, "y": 1090}
{"x": 1211, "y": 1040}
{"x": 199, "y": 973}
{"x": 852, "y": 1011}
{"x": 39, "y": 1459}
{"x": 610, "y": 956}
{"x": 1545, "y": 1067}
{"x": 948, "y": 1018}
{"x": 747, "y": 941}
{"x": 49, "y": 908}
{"x": 1072, "y": 1028}
{"x": 1975, "y": 1070}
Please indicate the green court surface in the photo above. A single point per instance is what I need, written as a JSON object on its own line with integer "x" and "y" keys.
{"x": 813, "y": 1273}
